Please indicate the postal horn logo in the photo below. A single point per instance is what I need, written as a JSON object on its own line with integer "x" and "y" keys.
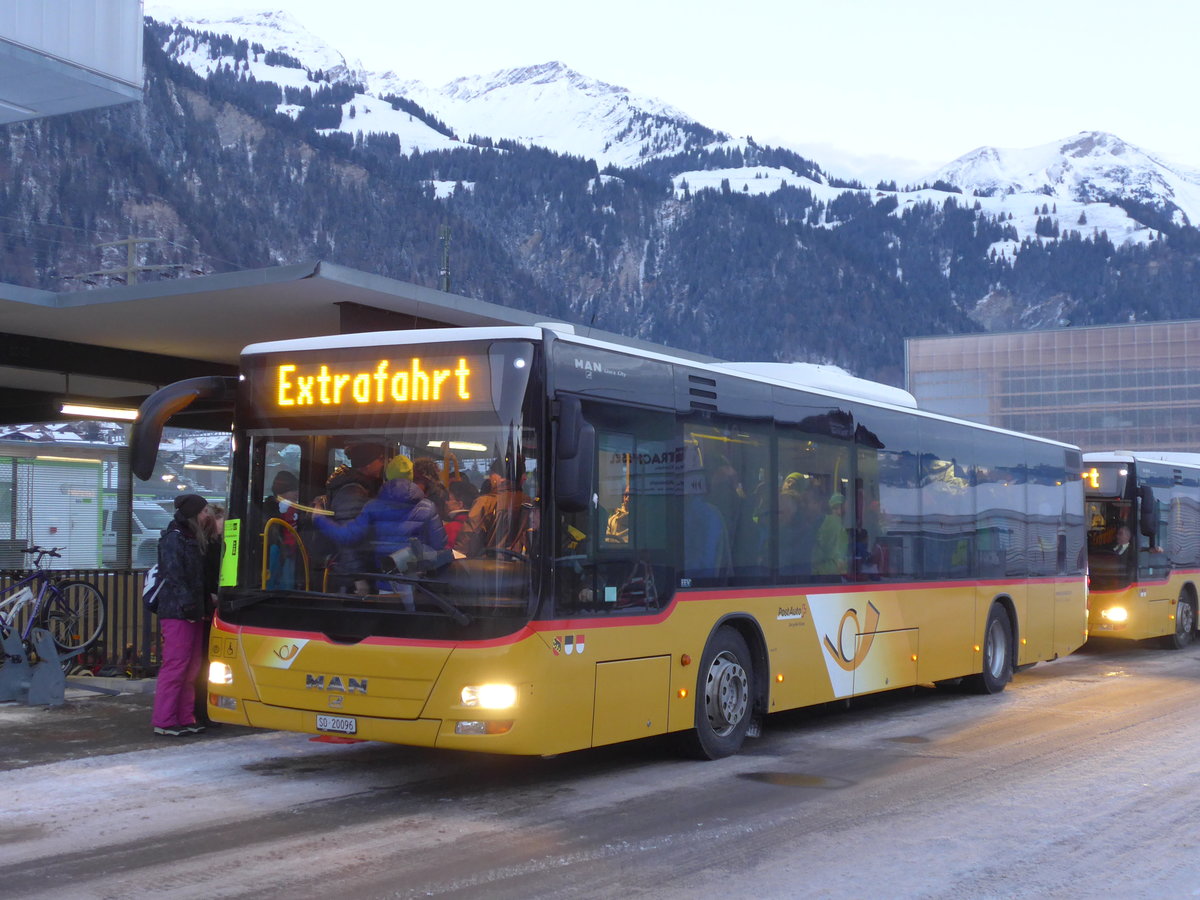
{"x": 848, "y": 633}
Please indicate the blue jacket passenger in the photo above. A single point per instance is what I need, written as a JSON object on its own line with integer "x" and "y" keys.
{"x": 400, "y": 512}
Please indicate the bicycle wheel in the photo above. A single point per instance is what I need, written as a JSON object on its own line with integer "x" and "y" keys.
{"x": 74, "y": 614}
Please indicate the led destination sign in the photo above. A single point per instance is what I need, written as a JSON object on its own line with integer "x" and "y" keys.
{"x": 374, "y": 384}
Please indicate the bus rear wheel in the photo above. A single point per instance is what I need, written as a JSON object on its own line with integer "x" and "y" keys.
{"x": 724, "y": 698}
{"x": 1185, "y": 624}
{"x": 997, "y": 654}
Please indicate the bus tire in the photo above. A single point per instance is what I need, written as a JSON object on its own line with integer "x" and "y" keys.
{"x": 724, "y": 697}
{"x": 1185, "y": 623}
{"x": 997, "y": 654}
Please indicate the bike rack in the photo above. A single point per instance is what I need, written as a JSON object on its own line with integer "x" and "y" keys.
{"x": 42, "y": 683}
{"x": 15, "y": 671}
{"x": 48, "y": 687}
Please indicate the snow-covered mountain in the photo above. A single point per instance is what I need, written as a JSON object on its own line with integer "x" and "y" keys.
{"x": 554, "y": 106}
{"x": 1086, "y": 168}
{"x": 274, "y": 29}
{"x": 1076, "y": 181}
{"x": 548, "y": 105}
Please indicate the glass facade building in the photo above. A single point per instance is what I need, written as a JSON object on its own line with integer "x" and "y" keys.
{"x": 1101, "y": 387}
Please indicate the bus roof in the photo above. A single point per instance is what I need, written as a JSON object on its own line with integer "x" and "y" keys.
{"x": 1191, "y": 460}
{"x": 830, "y": 381}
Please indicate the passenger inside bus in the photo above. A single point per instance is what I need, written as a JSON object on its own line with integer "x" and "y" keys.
{"x": 799, "y": 513}
{"x": 283, "y": 550}
{"x": 460, "y": 498}
{"x": 346, "y": 493}
{"x": 499, "y": 520}
{"x": 617, "y": 531}
{"x": 401, "y": 526}
{"x": 1123, "y": 541}
{"x": 831, "y": 550}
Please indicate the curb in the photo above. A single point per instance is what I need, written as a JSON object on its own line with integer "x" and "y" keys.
{"x": 113, "y": 685}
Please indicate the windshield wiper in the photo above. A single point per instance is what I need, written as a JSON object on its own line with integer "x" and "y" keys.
{"x": 459, "y": 617}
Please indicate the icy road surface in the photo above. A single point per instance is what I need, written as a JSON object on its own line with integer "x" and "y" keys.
{"x": 1079, "y": 781}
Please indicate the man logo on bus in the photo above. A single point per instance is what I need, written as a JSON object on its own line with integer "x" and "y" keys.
{"x": 854, "y": 658}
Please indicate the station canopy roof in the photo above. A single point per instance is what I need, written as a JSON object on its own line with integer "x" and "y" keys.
{"x": 114, "y": 346}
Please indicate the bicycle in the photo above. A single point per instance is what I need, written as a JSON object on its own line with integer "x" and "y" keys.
{"x": 72, "y": 612}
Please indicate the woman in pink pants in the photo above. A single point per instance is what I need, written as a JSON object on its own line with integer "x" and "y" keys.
{"x": 182, "y": 606}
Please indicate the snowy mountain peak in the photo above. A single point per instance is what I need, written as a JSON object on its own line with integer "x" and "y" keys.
{"x": 539, "y": 81}
{"x": 553, "y": 105}
{"x": 1089, "y": 167}
{"x": 1096, "y": 143}
{"x": 274, "y": 29}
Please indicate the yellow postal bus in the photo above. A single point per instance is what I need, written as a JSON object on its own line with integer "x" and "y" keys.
{"x": 1143, "y": 514}
{"x": 683, "y": 547}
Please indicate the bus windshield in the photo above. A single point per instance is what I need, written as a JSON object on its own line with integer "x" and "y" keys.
{"x": 413, "y": 524}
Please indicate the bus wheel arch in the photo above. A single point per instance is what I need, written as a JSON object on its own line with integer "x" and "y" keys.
{"x": 1185, "y": 620}
{"x": 730, "y": 689}
{"x": 997, "y": 648}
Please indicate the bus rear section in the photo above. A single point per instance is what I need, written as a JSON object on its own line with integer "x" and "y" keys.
{"x": 1143, "y": 520}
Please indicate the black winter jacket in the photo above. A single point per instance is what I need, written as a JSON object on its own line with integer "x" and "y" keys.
{"x": 182, "y": 567}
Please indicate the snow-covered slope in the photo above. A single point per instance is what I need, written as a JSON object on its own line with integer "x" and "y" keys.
{"x": 275, "y": 29}
{"x": 549, "y": 105}
{"x": 554, "y": 106}
{"x": 1089, "y": 167}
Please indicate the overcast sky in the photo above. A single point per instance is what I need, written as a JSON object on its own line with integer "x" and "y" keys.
{"x": 905, "y": 87}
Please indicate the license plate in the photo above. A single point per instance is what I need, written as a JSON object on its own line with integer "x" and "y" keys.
{"x": 340, "y": 724}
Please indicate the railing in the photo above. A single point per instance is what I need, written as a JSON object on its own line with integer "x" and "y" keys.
{"x": 131, "y": 642}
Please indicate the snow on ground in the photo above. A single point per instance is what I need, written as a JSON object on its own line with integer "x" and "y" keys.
{"x": 214, "y": 780}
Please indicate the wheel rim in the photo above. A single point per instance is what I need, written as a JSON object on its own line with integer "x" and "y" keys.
{"x": 996, "y": 650}
{"x": 726, "y": 693}
{"x": 1185, "y": 619}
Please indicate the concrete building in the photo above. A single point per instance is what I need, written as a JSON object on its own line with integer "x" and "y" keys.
{"x": 1134, "y": 386}
{"x": 61, "y": 56}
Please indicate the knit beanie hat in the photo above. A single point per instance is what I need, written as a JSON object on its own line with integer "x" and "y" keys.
{"x": 284, "y": 481}
{"x": 190, "y": 505}
{"x": 364, "y": 454}
{"x": 399, "y": 467}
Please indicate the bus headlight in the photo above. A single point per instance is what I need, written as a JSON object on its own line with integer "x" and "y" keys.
{"x": 219, "y": 673}
{"x": 490, "y": 696}
{"x": 1115, "y": 614}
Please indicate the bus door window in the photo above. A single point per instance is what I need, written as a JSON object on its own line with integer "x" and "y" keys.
{"x": 816, "y": 500}
{"x": 1181, "y": 523}
{"x": 1110, "y": 526}
{"x": 948, "y": 495}
{"x": 888, "y": 497}
{"x": 727, "y": 502}
{"x": 618, "y": 556}
{"x": 870, "y": 555}
{"x": 1002, "y": 529}
{"x": 278, "y": 518}
{"x": 1047, "y": 494}
{"x": 1155, "y": 484}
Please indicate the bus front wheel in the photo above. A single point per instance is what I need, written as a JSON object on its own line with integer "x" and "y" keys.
{"x": 724, "y": 697}
{"x": 1185, "y": 624}
{"x": 997, "y": 654}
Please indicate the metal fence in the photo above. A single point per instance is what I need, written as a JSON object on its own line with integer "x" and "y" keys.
{"x": 131, "y": 642}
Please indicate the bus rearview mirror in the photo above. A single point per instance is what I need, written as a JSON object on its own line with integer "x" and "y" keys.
{"x": 573, "y": 457}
